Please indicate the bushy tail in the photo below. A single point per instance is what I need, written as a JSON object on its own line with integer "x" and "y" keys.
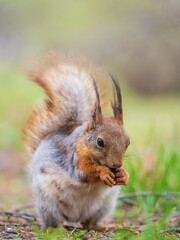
{"x": 70, "y": 98}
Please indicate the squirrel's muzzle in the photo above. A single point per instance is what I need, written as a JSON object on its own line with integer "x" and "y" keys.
{"x": 117, "y": 165}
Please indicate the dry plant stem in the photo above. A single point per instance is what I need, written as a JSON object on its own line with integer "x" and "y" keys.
{"x": 130, "y": 202}
{"x": 24, "y": 207}
{"x": 28, "y": 217}
{"x": 177, "y": 230}
{"x": 146, "y": 194}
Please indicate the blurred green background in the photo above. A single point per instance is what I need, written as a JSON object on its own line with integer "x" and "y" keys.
{"x": 137, "y": 40}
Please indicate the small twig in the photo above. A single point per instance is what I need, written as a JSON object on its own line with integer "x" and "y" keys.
{"x": 24, "y": 207}
{"x": 71, "y": 228}
{"x": 146, "y": 194}
{"x": 177, "y": 230}
{"x": 8, "y": 231}
{"x": 26, "y": 216}
{"x": 130, "y": 202}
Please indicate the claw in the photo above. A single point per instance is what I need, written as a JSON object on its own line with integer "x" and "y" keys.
{"x": 111, "y": 174}
{"x": 107, "y": 182}
{"x": 121, "y": 183}
{"x": 107, "y": 177}
{"x": 110, "y": 179}
{"x": 120, "y": 174}
{"x": 122, "y": 177}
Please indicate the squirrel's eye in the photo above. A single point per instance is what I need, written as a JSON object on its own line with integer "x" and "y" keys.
{"x": 100, "y": 142}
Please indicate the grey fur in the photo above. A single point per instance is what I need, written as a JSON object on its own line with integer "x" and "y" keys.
{"x": 59, "y": 191}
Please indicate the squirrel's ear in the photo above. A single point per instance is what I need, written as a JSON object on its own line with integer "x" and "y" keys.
{"x": 117, "y": 103}
{"x": 96, "y": 115}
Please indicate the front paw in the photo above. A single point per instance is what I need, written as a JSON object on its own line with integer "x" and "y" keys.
{"x": 122, "y": 177}
{"x": 107, "y": 176}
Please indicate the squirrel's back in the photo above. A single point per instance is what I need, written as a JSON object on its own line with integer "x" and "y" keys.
{"x": 70, "y": 98}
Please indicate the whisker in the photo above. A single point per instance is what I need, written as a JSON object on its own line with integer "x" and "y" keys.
{"x": 131, "y": 156}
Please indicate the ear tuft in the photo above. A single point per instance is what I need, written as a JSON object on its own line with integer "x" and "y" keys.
{"x": 96, "y": 117}
{"x": 97, "y": 93}
{"x": 117, "y": 102}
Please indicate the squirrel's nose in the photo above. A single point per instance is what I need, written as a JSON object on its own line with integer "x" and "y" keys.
{"x": 117, "y": 165}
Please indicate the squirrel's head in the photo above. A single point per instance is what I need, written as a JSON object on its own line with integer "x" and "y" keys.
{"x": 105, "y": 140}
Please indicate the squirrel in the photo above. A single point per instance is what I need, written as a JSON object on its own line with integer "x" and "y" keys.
{"x": 76, "y": 152}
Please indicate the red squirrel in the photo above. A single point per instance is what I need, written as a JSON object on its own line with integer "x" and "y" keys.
{"x": 76, "y": 152}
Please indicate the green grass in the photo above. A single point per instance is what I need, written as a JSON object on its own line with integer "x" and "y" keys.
{"x": 57, "y": 234}
{"x": 153, "y": 163}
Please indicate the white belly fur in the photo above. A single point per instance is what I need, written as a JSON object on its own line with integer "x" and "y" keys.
{"x": 80, "y": 201}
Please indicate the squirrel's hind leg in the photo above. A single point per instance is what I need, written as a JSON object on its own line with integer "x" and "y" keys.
{"x": 48, "y": 217}
{"x": 107, "y": 223}
{"x": 93, "y": 221}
